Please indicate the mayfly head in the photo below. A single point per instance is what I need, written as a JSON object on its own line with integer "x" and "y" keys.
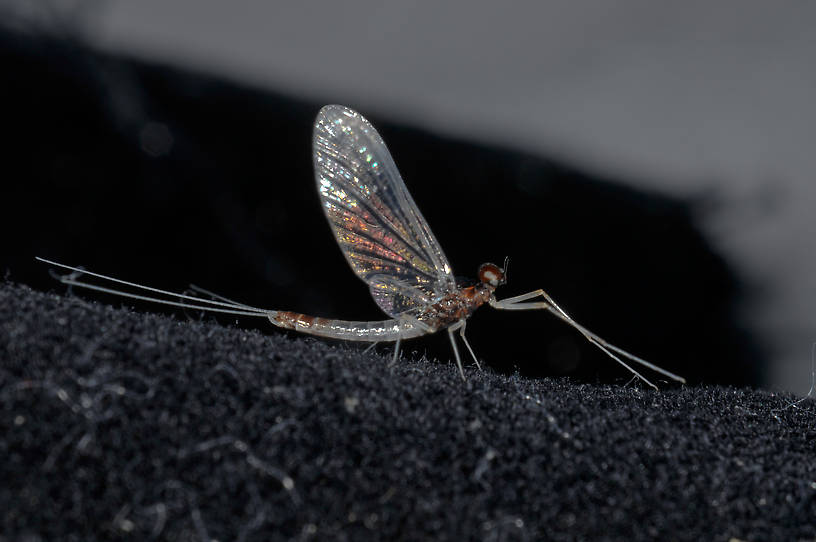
{"x": 492, "y": 274}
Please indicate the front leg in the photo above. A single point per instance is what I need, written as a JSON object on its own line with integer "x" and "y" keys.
{"x": 505, "y": 306}
{"x": 518, "y": 298}
{"x": 518, "y": 303}
{"x": 508, "y": 304}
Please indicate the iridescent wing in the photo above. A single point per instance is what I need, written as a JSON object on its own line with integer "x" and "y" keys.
{"x": 374, "y": 219}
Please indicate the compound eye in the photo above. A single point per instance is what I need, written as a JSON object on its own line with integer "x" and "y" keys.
{"x": 491, "y": 274}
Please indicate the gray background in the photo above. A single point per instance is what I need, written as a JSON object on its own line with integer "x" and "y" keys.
{"x": 700, "y": 99}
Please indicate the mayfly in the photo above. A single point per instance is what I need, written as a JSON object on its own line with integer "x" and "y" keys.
{"x": 390, "y": 246}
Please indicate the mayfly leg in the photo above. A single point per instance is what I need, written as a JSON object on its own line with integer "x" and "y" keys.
{"x": 462, "y": 325}
{"x": 589, "y": 334}
{"x": 396, "y": 351}
{"x": 518, "y": 303}
{"x": 456, "y": 352}
{"x": 546, "y": 306}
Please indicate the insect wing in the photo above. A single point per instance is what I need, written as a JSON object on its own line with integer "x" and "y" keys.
{"x": 395, "y": 295}
{"x": 378, "y": 226}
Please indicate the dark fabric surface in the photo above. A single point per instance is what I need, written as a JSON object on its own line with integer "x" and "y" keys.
{"x": 120, "y": 425}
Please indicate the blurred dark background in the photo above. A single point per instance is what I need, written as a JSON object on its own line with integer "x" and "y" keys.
{"x": 166, "y": 175}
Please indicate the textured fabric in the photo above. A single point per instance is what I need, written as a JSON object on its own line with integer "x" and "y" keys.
{"x": 120, "y": 425}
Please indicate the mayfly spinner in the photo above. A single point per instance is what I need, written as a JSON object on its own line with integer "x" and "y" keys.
{"x": 389, "y": 245}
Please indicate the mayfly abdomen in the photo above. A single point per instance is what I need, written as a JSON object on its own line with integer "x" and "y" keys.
{"x": 380, "y": 331}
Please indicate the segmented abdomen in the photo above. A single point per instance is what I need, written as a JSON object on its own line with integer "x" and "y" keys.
{"x": 380, "y": 331}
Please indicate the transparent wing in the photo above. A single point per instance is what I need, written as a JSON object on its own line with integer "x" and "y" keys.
{"x": 374, "y": 219}
{"x": 395, "y": 295}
